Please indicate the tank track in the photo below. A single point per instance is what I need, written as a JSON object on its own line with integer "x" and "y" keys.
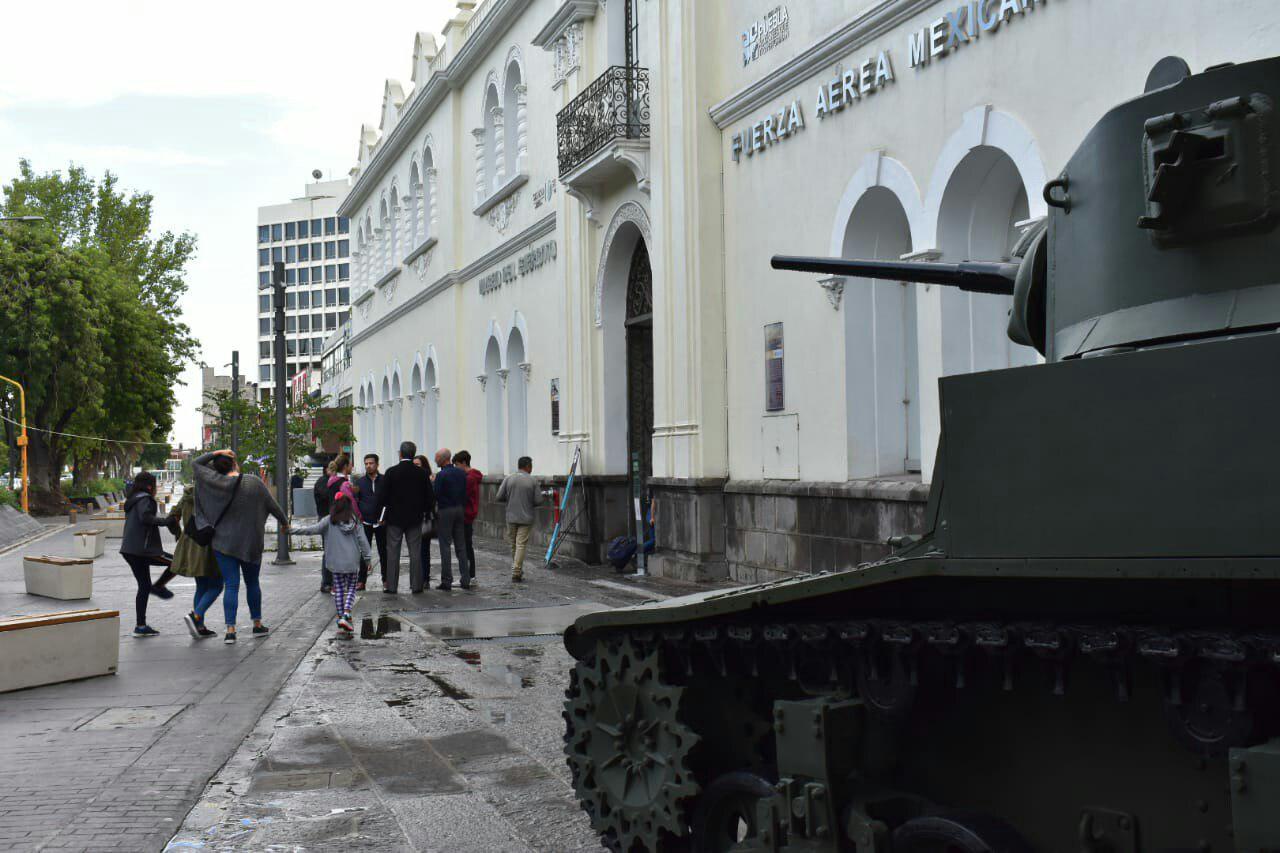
{"x": 1210, "y": 681}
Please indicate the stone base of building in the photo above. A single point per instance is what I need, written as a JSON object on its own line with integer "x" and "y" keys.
{"x": 748, "y": 530}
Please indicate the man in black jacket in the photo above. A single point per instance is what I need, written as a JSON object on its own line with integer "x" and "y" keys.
{"x": 369, "y": 492}
{"x": 407, "y": 500}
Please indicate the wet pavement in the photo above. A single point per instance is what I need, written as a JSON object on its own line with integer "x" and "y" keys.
{"x": 437, "y": 727}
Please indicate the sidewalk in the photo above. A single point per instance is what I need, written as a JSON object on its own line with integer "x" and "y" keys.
{"x": 437, "y": 728}
{"x": 117, "y": 762}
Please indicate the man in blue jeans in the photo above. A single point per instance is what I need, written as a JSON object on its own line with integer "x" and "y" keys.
{"x": 451, "y": 503}
{"x": 237, "y": 508}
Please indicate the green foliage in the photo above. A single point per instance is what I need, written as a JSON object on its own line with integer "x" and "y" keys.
{"x": 8, "y": 498}
{"x": 93, "y": 488}
{"x": 154, "y": 457}
{"x": 93, "y": 327}
{"x": 256, "y": 421}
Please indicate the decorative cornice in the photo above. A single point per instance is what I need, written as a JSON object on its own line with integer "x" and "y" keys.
{"x": 452, "y": 77}
{"x": 501, "y": 194}
{"x": 544, "y": 226}
{"x": 569, "y": 13}
{"x": 426, "y": 246}
{"x": 817, "y": 58}
{"x": 386, "y": 278}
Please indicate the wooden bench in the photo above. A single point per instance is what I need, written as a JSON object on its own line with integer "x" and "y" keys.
{"x": 91, "y": 544}
{"x": 64, "y": 578}
{"x": 56, "y": 647}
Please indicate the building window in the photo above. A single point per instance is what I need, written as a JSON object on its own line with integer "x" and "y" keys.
{"x": 264, "y": 278}
{"x": 291, "y": 276}
{"x": 290, "y": 254}
{"x": 304, "y": 276}
{"x": 304, "y": 299}
{"x": 264, "y": 349}
{"x": 344, "y": 225}
{"x": 317, "y": 344}
{"x": 317, "y": 275}
{"x": 264, "y": 373}
{"x": 277, "y": 233}
{"x": 344, "y": 248}
{"x": 344, "y": 272}
{"x": 330, "y": 273}
{"x": 264, "y": 304}
{"x": 264, "y": 326}
{"x": 330, "y": 250}
{"x": 317, "y": 250}
{"x": 316, "y": 225}
{"x": 290, "y": 301}
{"x": 264, "y": 234}
{"x": 291, "y": 324}
{"x": 330, "y": 298}
{"x": 303, "y": 230}
{"x": 277, "y": 254}
{"x": 317, "y": 320}
{"x": 330, "y": 322}
{"x": 344, "y": 295}
{"x": 304, "y": 323}
{"x": 344, "y": 316}
{"x": 264, "y": 257}
{"x": 290, "y": 230}
{"x": 291, "y": 350}
{"x": 304, "y": 252}
{"x": 304, "y": 346}
{"x": 330, "y": 226}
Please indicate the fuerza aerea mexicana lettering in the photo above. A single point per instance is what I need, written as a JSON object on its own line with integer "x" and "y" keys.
{"x": 962, "y": 25}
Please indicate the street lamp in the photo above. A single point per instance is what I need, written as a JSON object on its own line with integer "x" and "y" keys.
{"x": 22, "y": 396}
{"x": 282, "y": 438}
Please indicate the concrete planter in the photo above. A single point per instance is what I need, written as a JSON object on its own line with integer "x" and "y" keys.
{"x": 112, "y": 523}
{"x": 36, "y": 650}
{"x": 91, "y": 544}
{"x": 63, "y": 578}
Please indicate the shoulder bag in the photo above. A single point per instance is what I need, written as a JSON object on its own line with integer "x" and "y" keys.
{"x": 203, "y": 536}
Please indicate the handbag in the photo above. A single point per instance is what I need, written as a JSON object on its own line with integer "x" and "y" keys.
{"x": 429, "y": 529}
{"x": 203, "y": 536}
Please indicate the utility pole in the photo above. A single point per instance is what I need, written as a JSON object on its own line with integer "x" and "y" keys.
{"x": 235, "y": 402}
{"x": 282, "y": 437}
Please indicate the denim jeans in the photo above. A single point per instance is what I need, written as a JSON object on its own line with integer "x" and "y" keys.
{"x": 231, "y": 569}
{"x": 207, "y": 592}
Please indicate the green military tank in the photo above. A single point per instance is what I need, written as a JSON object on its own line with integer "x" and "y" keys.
{"x": 1082, "y": 649}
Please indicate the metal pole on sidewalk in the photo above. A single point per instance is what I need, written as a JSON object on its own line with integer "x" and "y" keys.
{"x": 282, "y": 437}
{"x": 235, "y": 403}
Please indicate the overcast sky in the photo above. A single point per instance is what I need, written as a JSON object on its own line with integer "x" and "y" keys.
{"x": 215, "y": 109}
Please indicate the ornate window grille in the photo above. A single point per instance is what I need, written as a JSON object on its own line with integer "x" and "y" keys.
{"x": 614, "y": 106}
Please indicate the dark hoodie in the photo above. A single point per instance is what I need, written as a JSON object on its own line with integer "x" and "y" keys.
{"x": 142, "y": 527}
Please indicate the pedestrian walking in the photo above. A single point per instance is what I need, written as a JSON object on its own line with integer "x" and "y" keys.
{"x": 339, "y": 482}
{"x": 367, "y": 492}
{"x": 140, "y": 547}
{"x": 295, "y": 483}
{"x": 236, "y": 508}
{"x": 321, "y": 491}
{"x": 451, "y": 504}
{"x": 192, "y": 560}
{"x": 428, "y": 527}
{"x": 520, "y": 492}
{"x": 472, "y": 510}
{"x": 346, "y": 549}
{"x": 407, "y": 501}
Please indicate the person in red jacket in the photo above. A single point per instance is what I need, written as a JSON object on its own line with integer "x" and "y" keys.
{"x": 472, "y": 510}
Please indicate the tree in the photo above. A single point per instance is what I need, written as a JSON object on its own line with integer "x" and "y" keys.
{"x": 256, "y": 426}
{"x": 94, "y": 331}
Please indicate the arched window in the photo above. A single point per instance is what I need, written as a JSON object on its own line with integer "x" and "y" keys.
{"x": 495, "y": 378}
{"x": 493, "y": 163}
{"x": 384, "y": 238}
{"x": 414, "y": 230}
{"x": 515, "y": 113}
{"x": 431, "y": 434}
{"x": 428, "y": 190}
{"x": 397, "y": 250}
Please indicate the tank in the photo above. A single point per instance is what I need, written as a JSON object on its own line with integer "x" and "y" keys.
{"x": 1081, "y": 650}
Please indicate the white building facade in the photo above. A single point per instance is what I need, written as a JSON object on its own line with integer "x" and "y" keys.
{"x": 564, "y": 234}
{"x": 314, "y": 244}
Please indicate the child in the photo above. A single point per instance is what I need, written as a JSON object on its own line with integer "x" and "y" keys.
{"x": 344, "y": 546}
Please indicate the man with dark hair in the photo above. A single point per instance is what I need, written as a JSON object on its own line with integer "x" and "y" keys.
{"x": 407, "y": 500}
{"x": 471, "y": 512}
{"x": 520, "y": 492}
{"x": 451, "y": 503}
{"x": 370, "y": 487}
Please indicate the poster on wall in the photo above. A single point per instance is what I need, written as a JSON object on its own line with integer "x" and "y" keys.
{"x": 774, "y": 396}
{"x": 555, "y": 406}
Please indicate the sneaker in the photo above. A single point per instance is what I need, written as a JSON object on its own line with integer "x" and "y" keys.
{"x": 326, "y": 589}
{"x": 230, "y": 638}
{"x": 162, "y": 592}
{"x": 145, "y": 631}
{"x": 260, "y": 631}
{"x": 517, "y": 578}
{"x": 359, "y": 587}
{"x": 344, "y": 622}
{"x": 205, "y": 633}
{"x": 444, "y": 588}
{"x": 465, "y": 585}
{"x": 192, "y": 625}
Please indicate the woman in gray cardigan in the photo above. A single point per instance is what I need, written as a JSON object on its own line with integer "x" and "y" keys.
{"x": 237, "y": 539}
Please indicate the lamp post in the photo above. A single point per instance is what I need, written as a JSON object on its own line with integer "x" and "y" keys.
{"x": 235, "y": 402}
{"x": 22, "y": 396}
{"x": 282, "y": 436}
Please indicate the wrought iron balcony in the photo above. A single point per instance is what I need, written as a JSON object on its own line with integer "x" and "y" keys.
{"x": 615, "y": 106}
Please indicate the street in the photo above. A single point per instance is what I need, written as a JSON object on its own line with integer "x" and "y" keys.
{"x": 415, "y": 735}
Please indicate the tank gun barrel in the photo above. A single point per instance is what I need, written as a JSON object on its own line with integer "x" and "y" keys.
{"x": 973, "y": 277}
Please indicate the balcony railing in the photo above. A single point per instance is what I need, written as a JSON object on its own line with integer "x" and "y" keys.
{"x": 615, "y": 106}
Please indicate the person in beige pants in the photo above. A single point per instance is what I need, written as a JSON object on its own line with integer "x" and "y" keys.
{"x": 520, "y": 492}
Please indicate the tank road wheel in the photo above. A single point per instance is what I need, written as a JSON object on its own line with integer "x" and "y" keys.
{"x": 726, "y": 818}
{"x": 628, "y": 749}
{"x": 958, "y": 832}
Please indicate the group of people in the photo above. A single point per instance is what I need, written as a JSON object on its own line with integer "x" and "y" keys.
{"x": 219, "y": 525}
{"x": 220, "y": 522}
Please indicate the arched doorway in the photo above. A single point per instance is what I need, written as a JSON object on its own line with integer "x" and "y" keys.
{"x": 882, "y": 367}
{"x": 639, "y": 330}
{"x": 493, "y": 401}
{"x": 431, "y": 407}
{"x": 981, "y": 206}
{"x": 418, "y": 406}
{"x": 517, "y": 398}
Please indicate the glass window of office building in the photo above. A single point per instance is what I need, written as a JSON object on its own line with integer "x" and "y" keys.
{"x": 264, "y": 234}
{"x": 277, "y": 233}
{"x": 303, "y": 228}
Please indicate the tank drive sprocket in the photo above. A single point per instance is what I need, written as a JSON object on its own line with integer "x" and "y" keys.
{"x": 629, "y": 749}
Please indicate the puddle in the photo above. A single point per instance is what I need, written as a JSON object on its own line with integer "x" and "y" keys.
{"x": 527, "y": 652}
{"x": 371, "y": 629}
{"x": 499, "y": 672}
{"x": 503, "y": 622}
{"x": 471, "y": 656}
